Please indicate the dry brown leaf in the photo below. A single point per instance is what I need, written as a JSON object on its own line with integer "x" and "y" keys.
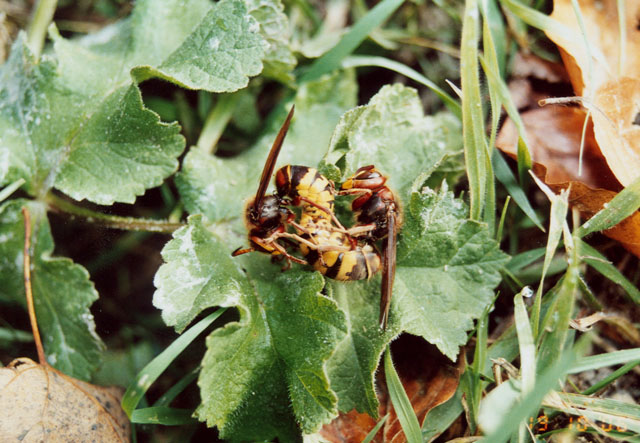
{"x": 554, "y": 142}
{"x": 554, "y": 134}
{"x": 529, "y": 65}
{"x": 39, "y": 403}
{"x": 607, "y": 77}
{"x": 428, "y": 379}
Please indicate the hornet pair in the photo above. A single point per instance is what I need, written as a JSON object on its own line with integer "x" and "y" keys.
{"x": 333, "y": 250}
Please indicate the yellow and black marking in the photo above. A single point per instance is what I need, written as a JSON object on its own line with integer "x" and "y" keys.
{"x": 345, "y": 262}
{"x": 307, "y": 188}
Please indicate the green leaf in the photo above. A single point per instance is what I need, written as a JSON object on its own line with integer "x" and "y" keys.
{"x": 53, "y": 135}
{"x": 219, "y": 54}
{"x": 193, "y": 43}
{"x": 393, "y": 133}
{"x": 162, "y": 415}
{"x": 75, "y": 120}
{"x": 279, "y": 60}
{"x": 184, "y": 287}
{"x": 447, "y": 266}
{"x": 61, "y": 289}
{"x": 218, "y": 187}
{"x": 121, "y": 151}
{"x": 353, "y": 365}
{"x": 265, "y": 372}
{"x": 447, "y": 269}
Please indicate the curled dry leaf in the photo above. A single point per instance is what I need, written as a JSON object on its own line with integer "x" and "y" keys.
{"x": 554, "y": 142}
{"x": 39, "y": 403}
{"x": 606, "y": 72}
{"x": 429, "y": 380}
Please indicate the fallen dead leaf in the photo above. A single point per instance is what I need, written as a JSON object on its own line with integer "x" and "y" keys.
{"x": 39, "y": 403}
{"x": 554, "y": 134}
{"x": 428, "y": 378}
{"x": 529, "y": 65}
{"x": 606, "y": 72}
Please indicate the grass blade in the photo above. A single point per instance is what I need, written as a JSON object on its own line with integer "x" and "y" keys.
{"x": 472, "y": 118}
{"x": 370, "y": 436}
{"x": 611, "y": 377}
{"x": 526, "y": 345}
{"x": 506, "y": 177}
{"x": 138, "y": 387}
{"x": 10, "y": 189}
{"x": 527, "y": 353}
{"x": 523, "y": 259}
{"x": 400, "y": 401}
{"x": 559, "y": 208}
{"x": 160, "y": 415}
{"x": 604, "y": 360}
{"x": 331, "y": 60}
{"x": 613, "y": 412}
{"x": 624, "y": 204}
{"x": 530, "y": 404}
{"x": 216, "y": 121}
{"x": 600, "y": 263}
{"x": 173, "y": 391}
{"x": 355, "y": 61}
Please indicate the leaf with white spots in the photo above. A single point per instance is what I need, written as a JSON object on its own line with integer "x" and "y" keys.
{"x": 198, "y": 273}
{"x": 75, "y": 120}
{"x": 62, "y": 291}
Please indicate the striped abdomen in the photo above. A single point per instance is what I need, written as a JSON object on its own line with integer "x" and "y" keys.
{"x": 357, "y": 263}
{"x": 301, "y": 182}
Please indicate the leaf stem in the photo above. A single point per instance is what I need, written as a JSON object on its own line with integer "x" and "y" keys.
{"x": 40, "y": 19}
{"x": 216, "y": 121}
{"x": 26, "y": 259}
{"x": 60, "y": 205}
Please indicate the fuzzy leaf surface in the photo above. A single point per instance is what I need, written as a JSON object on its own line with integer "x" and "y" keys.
{"x": 447, "y": 268}
{"x": 264, "y": 374}
{"x": 75, "y": 120}
{"x": 62, "y": 291}
{"x": 279, "y": 60}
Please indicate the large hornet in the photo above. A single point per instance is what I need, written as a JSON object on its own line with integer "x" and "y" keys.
{"x": 319, "y": 236}
{"x": 378, "y": 217}
{"x": 328, "y": 248}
